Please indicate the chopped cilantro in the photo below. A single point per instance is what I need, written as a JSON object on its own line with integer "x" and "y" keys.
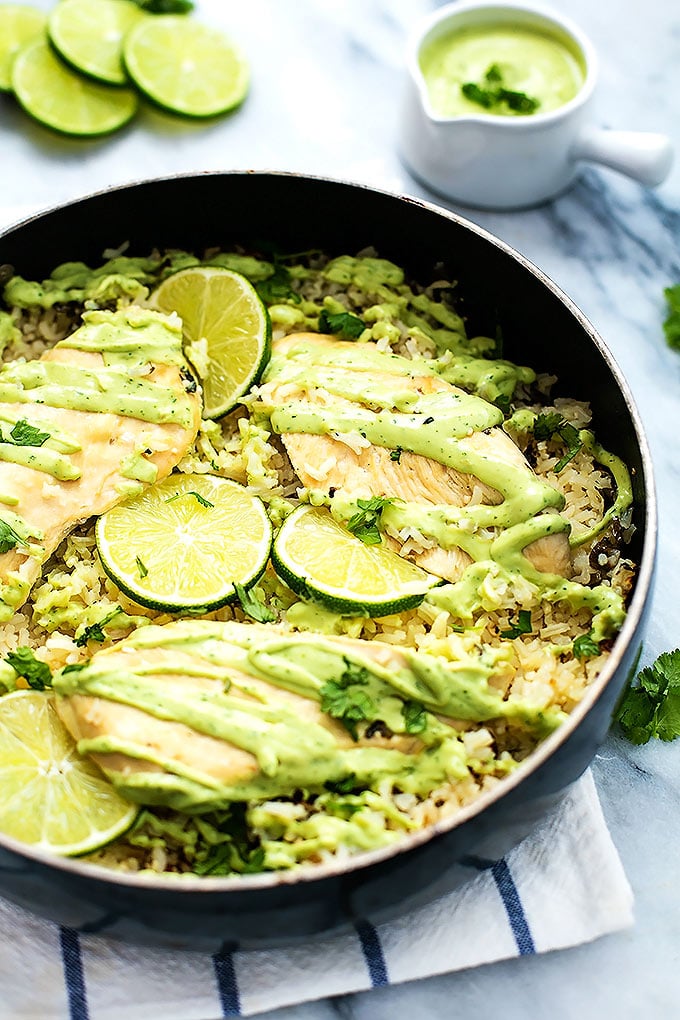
{"x": 671, "y": 326}
{"x": 503, "y": 403}
{"x": 364, "y": 523}
{"x": 37, "y": 674}
{"x": 143, "y": 570}
{"x": 277, "y": 287}
{"x": 342, "y": 324}
{"x": 9, "y": 539}
{"x": 585, "y": 646}
{"x": 342, "y": 700}
{"x": 415, "y": 716}
{"x": 396, "y": 453}
{"x": 492, "y": 92}
{"x": 523, "y": 625}
{"x": 197, "y": 496}
{"x": 553, "y": 424}
{"x": 95, "y": 632}
{"x": 651, "y": 708}
{"x": 252, "y": 607}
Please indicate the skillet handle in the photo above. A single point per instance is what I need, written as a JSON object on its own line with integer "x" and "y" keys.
{"x": 643, "y": 155}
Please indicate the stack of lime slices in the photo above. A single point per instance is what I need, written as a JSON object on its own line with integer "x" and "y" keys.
{"x": 81, "y": 70}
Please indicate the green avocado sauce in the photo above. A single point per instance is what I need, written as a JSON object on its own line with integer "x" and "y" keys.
{"x": 500, "y": 61}
{"x": 291, "y": 752}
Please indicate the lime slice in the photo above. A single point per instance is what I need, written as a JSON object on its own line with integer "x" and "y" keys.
{"x": 323, "y": 562}
{"x": 88, "y": 34}
{"x": 51, "y": 797}
{"x": 65, "y": 101}
{"x": 182, "y": 545}
{"x": 227, "y": 324}
{"x": 185, "y": 67}
{"x": 18, "y": 26}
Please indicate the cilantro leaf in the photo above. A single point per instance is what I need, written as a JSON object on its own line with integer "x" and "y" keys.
{"x": 95, "y": 632}
{"x": 553, "y": 424}
{"x": 415, "y": 716}
{"x": 277, "y": 287}
{"x": 143, "y": 570}
{"x": 396, "y": 453}
{"x": 342, "y": 324}
{"x": 37, "y": 674}
{"x": 584, "y": 646}
{"x": 252, "y": 607}
{"x": 9, "y": 539}
{"x": 523, "y": 625}
{"x": 345, "y": 785}
{"x": 671, "y": 326}
{"x": 652, "y": 707}
{"x": 24, "y": 434}
{"x": 476, "y": 94}
{"x": 197, "y": 496}
{"x": 364, "y": 523}
{"x": 74, "y": 667}
{"x": 343, "y": 698}
{"x": 166, "y": 6}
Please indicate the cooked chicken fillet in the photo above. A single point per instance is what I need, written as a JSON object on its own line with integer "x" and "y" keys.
{"x": 102, "y": 463}
{"x": 325, "y": 463}
{"x": 88, "y": 717}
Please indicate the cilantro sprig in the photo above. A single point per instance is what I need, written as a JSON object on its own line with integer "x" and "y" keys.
{"x": 552, "y": 424}
{"x": 585, "y": 646}
{"x": 278, "y": 287}
{"x": 651, "y": 707}
{"x": 364, "y": 523}
{"x": 9, "y": 538}
{"x": 346, "y": 700}
{"x": 37, "y": 674}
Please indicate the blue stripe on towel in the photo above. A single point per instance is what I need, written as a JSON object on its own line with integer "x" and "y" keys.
{"x": 514, "y": 909}
{"x": 510, "y": 897}
{"x": 227, "y": 985}
{"x": 373, "y": 954}
{"x": 73, "y": 973}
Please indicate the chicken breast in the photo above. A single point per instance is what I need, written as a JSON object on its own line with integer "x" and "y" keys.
{"x": 102, "y": 414}
{"x": 359, "y": 469}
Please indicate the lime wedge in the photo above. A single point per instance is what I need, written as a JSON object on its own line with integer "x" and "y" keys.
{"x": 18, "y": 26}
{"x": 323, "y": 562}
{"x": 182, "y": 545}
{"x": 88, "y": 35}
{"x": 186, "y": 67}
{"x": 227, "y": 327}
{"x": 51, "y": 797}
{"x": 64, "y": 100}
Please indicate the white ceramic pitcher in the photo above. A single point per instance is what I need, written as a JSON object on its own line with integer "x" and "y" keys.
{"x": 509, "y": 162}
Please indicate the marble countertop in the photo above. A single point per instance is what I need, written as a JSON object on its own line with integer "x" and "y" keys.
{"x": 326, "y": 80}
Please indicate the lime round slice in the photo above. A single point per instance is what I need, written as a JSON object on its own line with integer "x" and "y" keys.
{"x": 186, "y": 67}
{"x": 51, "y": 797}
{"x": 184, "y": 544}
{"x": 88, "y": 34}
{"x": 227, "y": 327}
{"x": 323, "y": 562}
{"x": 18, "y": 26}
{"x": 66, "y": 101}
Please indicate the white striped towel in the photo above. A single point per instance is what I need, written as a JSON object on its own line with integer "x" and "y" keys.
{"x": 564, "y": 885}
